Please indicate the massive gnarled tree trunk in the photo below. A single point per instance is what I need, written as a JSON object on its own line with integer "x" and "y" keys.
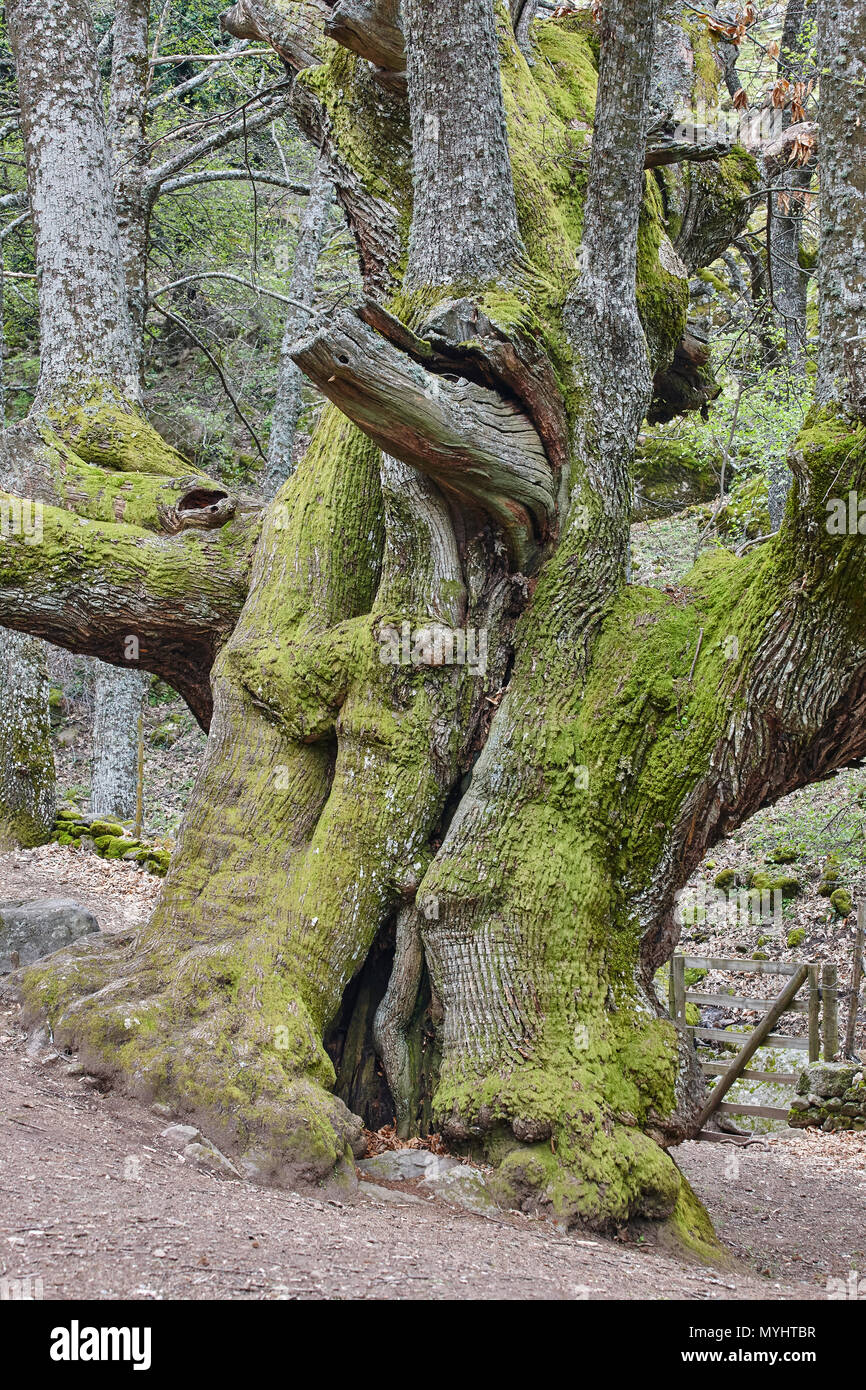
{"x": 506, "y": 831}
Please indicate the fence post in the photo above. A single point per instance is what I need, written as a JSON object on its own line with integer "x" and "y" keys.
{"x": 678, "y": 989}
{"x": 814, "y": 1014}
{"x": 851, "y": 1031}
{"x": 831, "y": 1011}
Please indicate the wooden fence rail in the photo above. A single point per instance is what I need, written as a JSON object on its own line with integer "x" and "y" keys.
{"x": 822, "y": 1024}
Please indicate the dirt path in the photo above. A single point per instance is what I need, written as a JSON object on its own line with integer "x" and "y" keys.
{"x": 95, "y": 1203}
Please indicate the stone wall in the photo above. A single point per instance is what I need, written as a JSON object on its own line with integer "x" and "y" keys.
{"x": 830, "y": 1095}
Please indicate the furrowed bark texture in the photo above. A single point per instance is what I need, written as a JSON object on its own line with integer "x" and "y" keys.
{"x": 27, "y": 791}
{"x": 842, "y": 53}
{"x": 464, "y": 223}
{"x": 85, "y": 332}
{"x": 127, "y": 134}
{"x": 524, "y": 879}
{"x": 120, "y": 697}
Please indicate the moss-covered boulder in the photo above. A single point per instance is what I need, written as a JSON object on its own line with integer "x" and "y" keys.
{"x": 841, "y": 902}
{"x": 761, "y": 881}
{"x": 101, "y": 828}
{"x": 831, "y": 877}
{"x": 784, "y": 854}
{"x": 120, "y": 845}
{"x": 110, "y": 841}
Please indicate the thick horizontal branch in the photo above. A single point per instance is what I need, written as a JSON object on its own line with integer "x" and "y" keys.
{"x": 370, "y": 28}
{"x": 294, "y": 29}
{"x": 111, "y": 590}
{"x": 472, "y": 442}
{"x": 459, "y": 338}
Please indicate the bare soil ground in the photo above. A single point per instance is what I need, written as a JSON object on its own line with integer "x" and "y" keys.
{"x": 95, "y": 1203}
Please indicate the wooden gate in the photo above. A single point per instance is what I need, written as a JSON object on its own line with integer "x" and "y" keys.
{"x": 821, "y": 988}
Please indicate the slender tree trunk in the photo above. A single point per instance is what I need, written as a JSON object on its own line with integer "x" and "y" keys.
{"x": 523, "y": 12}
{"x": 842, "y": 54}
{"x": 85, "y": 329}
{"x": 787, "y": 207}
{"x": 120, "y": 697}
{"x": 302, "y": 286}
{"x": 27, "y": 801}
{"x": 127, "y": 119}
{"x": 27, "y": 773}
{"x": 119, "y": 694}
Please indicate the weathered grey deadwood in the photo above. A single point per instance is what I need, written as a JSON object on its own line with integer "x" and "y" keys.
{"x": 664, "y": 147}
{"x": 370, "y": 28}
{"x": 466, "y": 437}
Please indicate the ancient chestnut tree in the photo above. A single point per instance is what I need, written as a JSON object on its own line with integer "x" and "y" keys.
{"x": 465, "y": 868}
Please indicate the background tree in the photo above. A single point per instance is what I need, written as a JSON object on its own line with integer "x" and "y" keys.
{"x": 26, "y": 757}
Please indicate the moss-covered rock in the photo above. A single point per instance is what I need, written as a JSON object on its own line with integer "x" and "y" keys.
{"x": 100, "y": 828}
{"x": 119, "y": 845}
{"x": 166, "y": 734}
{"x": 841, "y": 902}
{"x": 761, "y": 881}
{"x": 784, "y": 854}
{"x": 796, "y": 937}
{"x": 831, "y": 877}
{"x": 110, "y": 841}
{"x": 725, "y": 880}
